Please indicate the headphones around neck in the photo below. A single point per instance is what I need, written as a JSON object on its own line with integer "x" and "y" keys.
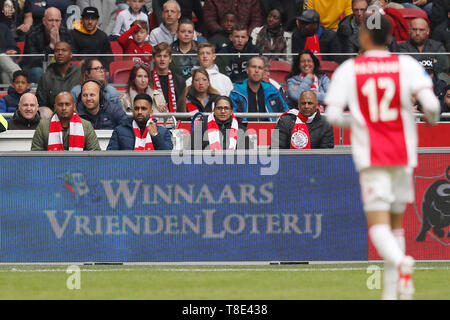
{"x": 102, "y": 90}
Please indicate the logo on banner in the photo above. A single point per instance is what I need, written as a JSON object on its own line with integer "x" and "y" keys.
{"x": 434, "y": 210}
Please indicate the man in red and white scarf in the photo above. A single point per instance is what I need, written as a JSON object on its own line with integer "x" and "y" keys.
{"x": 170, "y": 84}
{"x": 304, "y": 128}
{"x": 65, "y": 130}
{"x": 140, "y": 132}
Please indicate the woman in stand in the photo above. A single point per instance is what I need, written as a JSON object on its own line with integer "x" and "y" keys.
{"x": 306, "y": 75}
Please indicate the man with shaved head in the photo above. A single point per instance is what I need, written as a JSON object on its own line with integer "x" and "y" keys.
{"x": 42, "y": 39}
{"x": 65, "y": 130}
{"x": 419, "y": 42}
{"x": 27, "y": 115}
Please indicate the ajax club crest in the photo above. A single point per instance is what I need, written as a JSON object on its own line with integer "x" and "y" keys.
{"x": 299, "y": 140}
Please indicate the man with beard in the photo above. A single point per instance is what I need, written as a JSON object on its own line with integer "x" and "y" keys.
{"x": 140, "y": 132}
{"x": 419, "y": 43}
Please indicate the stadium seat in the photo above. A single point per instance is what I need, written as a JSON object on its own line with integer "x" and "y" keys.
{"x": 410, "y": 14}
{"x": 120, "y": 70}
{"x": 21, "y": 46}
{"x": 2, "y": 94}
{"x": 279, "y": 70}
{"x": 116, "y": 49}
{"x": 328, "y": 67}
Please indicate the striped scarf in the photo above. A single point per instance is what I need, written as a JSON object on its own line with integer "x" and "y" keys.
{"x": 214, "y": 135}
{"x": 300, "y": 134}
{"x": 143, "y": 142}
{"x": 76, "y": 134}
{"x": 172, "y": 96}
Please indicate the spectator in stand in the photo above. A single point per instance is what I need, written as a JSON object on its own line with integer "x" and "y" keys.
{"x": 42, "y": 40}
{"x": 207, "y": 56}
{"x": 136, "y": 44}
{"x": 248, "y": 13}
{"x": 63, "y": 130}
{"x": 303, "y": 128}
{"x": 311, "y": 35}
{"x": 126, "y": 17}
{"x": 140, "y": 82}
{"x": 419, "y": 42}
{"x": 18, "y": 87}
{"x": 141, "y": 132}
{"x": 60, "y": 76}
{"x": 399, "y": 24}
{"x": 88, "y": 38}
{"x": 330, "y": 11}
{"x": 27, "y": 116}
{"x": 348, "y": 30}
{"x": 271, "y": 38}
{"x": 101, "y": 112}
{"x": 39, "y": 7}
{"x": 292, "y": 9}
{"x": 221, "y": 38}
{"x": 3, "y": 124}
{"x": 7, "y": 47}
{"x": 235, "y": 65}
{"x": 255, "y": 95}
{"x": 200, "y": 96}
{"x": 425, "y": 5}
{"x": 220, "y": 130}
{"x": 441, "y": 31}
{"x": 107, "y": 11}
{"x": 268, "y": 79}
{"x": 92, "y": 68}
{"x": 171, "y": 84}
{"x": 306, "y": 75}
{"x": 187, "y": 46}
{"x": 189, "y": 9}
{"x": 445, "y": 102}
{"x": 438, "y": 84}
{"x": 17, "y": 16}
{"x": 167, "y": 30}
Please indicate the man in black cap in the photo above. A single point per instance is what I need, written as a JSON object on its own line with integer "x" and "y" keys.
{"x": 88, "y": 38}
{"x": 311, "y": 35}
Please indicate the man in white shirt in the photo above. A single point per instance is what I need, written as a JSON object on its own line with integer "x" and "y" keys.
{"x": 377, "y": 87}
{"x": 206, "y": 56}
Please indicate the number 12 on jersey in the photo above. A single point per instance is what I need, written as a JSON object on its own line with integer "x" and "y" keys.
{"x": 381, "y": 109}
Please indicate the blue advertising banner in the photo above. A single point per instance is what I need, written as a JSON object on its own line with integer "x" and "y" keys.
{"x": 139, "y": 209}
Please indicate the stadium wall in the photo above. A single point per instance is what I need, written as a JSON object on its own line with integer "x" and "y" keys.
{"x": 172, "y": 207}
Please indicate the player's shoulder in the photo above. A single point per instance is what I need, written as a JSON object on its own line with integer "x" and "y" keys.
{"x": 346, "y": 66}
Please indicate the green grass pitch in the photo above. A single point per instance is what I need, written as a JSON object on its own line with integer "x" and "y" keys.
{"x": 339, "y": 281}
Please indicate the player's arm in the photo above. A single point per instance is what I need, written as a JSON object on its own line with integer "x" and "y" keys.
{"x": 336, "y": 98}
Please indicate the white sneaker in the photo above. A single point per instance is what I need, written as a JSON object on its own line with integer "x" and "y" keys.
{"x": 405, "y": 281}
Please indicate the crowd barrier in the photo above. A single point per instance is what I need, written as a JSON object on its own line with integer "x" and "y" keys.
{"x": 177, "y": 206}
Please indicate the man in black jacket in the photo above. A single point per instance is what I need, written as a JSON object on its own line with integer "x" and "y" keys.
{"x": 310, "y": 35}
{"x": 235, "y": 66}
{"x": 187, "y": 8}
{"x": 27, "y": 115}
{"x": 318, "y": 135}
{"x": 348, "y": 30}
{"x": 419, "y": 43}
{"x": 89, "y": 39}
{"x": 42, "y": 40}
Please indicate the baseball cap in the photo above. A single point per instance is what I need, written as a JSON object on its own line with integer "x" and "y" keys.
{"x": 309, "y": 16}
{"x": 90, "y": 11}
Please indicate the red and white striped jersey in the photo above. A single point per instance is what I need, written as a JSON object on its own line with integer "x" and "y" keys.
{"x": 378, "y": 88}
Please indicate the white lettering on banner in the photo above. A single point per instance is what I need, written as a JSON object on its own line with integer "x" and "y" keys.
{"x": 207, "y": 224}
{"x": 135, "y": 192}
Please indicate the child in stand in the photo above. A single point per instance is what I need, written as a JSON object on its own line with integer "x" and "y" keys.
{"x": 126, "y": 17}
{"x": 136, "y": 44}
{"x": 19, "y": 86}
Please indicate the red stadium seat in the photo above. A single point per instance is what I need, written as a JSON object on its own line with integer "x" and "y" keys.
{"x": 279, "y": 70}
{"x": 2, "y": 94}
{"x": 120, "y": 70}
{"x": 328, "y": 67}
{"x": 410, "y": 14}
{"x": 21, "y": 46}
{"x": 116, "y": 49}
